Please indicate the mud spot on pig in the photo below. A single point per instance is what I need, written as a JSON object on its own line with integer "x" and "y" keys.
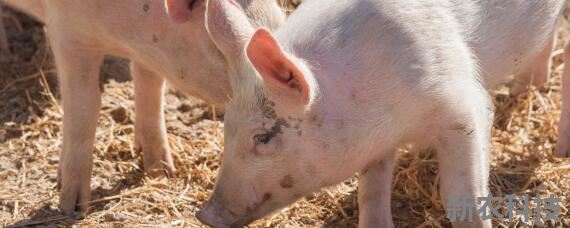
{"x": 297, "y": 126}
{"x": 462, "y": 127}
{"x": 146, "y": 7}
{"x": 316, "y": 120}
{"x": 287, "y": 182}
{"x": 267, "y": 107}
{"x": 266, "y": 197}
{"x": 154, "y": 38}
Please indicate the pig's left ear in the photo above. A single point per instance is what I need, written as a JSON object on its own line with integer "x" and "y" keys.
{"x": 277, "y": 68}
{"x": 181, "y": 10}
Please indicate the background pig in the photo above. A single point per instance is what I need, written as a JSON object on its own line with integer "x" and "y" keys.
{"x": 82, "y": 32}
{"x": 342, "y": 84}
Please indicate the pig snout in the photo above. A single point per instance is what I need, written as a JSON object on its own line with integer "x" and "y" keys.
{"x": 216, "y": 215}
{"x": 208, "y": 216}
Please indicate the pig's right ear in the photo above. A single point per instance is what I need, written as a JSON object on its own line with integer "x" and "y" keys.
{"x": 282, "y": 76}
{"x": 228, "y": 27}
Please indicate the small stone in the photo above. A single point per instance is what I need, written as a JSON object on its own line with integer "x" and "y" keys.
{"x": 53, "y": 160}
{"x": 120, "y": 115}
{"x": 115, "y": 217}
{"x": 184, "y": 107}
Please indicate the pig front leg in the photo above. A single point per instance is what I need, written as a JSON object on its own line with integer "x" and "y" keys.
{"x": 536, "y": 72}
{"x": 374, "y": 194}
{"x": 150, "y": 130}
{"x": 463, "y": 154}
{"x": 79, "y": 83}
{"x": 563, "y": 146}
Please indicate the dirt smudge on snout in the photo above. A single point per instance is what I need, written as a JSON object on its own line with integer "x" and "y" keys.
{"x": 287, "y": 182}
{"x": 146, "y": 7}
{"x": 316, "y": 120}
{"x": 462, "y": 127}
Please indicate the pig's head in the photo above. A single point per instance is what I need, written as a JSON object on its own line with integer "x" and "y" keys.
{"x": 275, "y": 150}
{"x": 264, "y": 13}
{"x": 195, "y": 50}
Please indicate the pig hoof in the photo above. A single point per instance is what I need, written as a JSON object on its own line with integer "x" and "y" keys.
{"x": 157, "y": 162}
{"x": 161, "y": 169}
{"x": 73, "y": 202}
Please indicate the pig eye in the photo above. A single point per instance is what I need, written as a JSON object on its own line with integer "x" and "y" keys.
{"x": 262, "y": 138}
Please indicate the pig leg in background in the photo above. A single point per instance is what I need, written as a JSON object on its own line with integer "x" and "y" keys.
{"x": 374, "y": 194}
{"x": 563, "y": 146}
{"x": 150, "y": 130}
{"x": 463, "y": 155}
{"x": 79, "y": 83}
{"x": 4, "y": 46}
{"x": 536, "y": 72}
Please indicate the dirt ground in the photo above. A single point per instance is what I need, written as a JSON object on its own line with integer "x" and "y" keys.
{"x": 524, "y": 137}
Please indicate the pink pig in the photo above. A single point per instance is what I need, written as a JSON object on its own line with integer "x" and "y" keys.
{"x": 344, "y": 83}
{"x": 82, "y": 32}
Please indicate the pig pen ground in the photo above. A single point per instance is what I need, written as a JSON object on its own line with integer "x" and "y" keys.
{"x": 524, "y": 137}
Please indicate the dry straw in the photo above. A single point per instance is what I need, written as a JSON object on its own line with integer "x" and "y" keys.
{"x": 30, "y": 137}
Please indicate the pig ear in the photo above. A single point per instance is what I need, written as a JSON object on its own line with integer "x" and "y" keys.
{"x": 276, "y": 68}
{"x": 180, "y": 10}
{"x": 228, "y": 27}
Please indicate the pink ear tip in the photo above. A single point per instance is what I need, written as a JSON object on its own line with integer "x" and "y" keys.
{"x": 179, "y": 11}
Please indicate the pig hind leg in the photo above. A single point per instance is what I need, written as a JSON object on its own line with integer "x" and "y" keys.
{"x": 374, "y": 194}
{"x": 536, "y": 72}
{"x": 150, "y": 130}
{"x": 563, "y": 146}
{"x": 78, "y": 67}
{"x": 463, "y": 153}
